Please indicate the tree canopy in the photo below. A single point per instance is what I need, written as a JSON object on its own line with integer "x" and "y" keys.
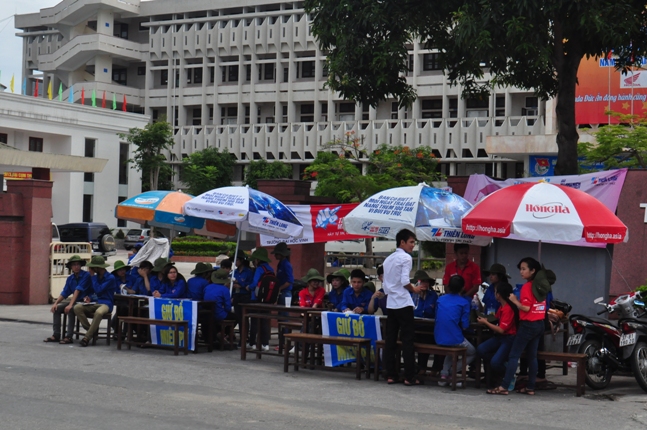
{"x": 261, "y": 169}
{"x": 147, "y": 157}
{"x": 207, "y": 169}
{"x": 481, "y": 45}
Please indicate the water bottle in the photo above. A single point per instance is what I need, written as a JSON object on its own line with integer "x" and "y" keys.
{"x": 475, "y": 303}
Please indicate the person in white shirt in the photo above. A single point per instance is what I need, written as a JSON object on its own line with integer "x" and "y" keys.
{"x": 399, "y": 306}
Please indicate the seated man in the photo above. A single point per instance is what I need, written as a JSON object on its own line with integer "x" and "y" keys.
{"x": 378, "y": 301}
{"x": 217, "y": 292}
{"x": 195, "y": 286}
{"x": 312, "y": 295}
{"x": 104, "y": 286}
{"x": 339, "y": 282}
{"x": 425, "y": 307}
{"x": 357, "y": 298}
{"x": 77, "y": 285}
{"x": 145, "y": 278}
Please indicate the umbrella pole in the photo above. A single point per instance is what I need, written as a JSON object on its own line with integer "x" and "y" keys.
{"x": 539, "y": 251}
{"x": 419, "y": 252}
{"x": 233, "y": 265}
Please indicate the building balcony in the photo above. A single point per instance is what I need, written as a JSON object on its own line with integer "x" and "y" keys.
{"x": 73, "y": 12}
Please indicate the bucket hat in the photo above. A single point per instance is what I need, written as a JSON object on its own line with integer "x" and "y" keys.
{"x": 498, "y": 269}
{"x": 202, "y": 268}
{"x": 312, "y": 275}
{"x": 98, "y": 261}
{"x": 160, "y": 264}
{"x": 75, "y": 259}
{"x": 281, "y": 248}
{"x": 260, "y": 254}
{"x": 119, "y": 265}
{"x": 220, "y": 276}
{"x": 341, "y": 273}
{"x": 421, "y": 275}
{"x": 370, "y": 286}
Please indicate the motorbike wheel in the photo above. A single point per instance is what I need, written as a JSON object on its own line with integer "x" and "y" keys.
{"x": 639, "y": 364}
{"x": 598, "y": 374}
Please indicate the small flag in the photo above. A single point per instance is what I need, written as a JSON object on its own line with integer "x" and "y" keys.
{"x": 114, "y": 101}
{"x": 610, "y": 54}
{"x": 70, "y": 96}
{"x": 94, "y": 98}
{"x": 124, "y": 106}
{"x": 83, "y": 96}
{"x": 103, "y": 100}
{"x": 24, "y": 86}
{"x": 36, "y": 89}
{"x": 49, "y": 90}
{"x": 11, "y": 83}
{"x": 60, "y": 92}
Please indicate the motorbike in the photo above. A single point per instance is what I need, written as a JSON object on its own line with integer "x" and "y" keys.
{"x": 634, "y": 344}
{"x": 604, "y": 342}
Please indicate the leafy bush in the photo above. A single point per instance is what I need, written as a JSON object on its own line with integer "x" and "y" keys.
{"x": 203, "y": 248}
{"x": 432, "y": 264}
{"x": 120, "y": 234}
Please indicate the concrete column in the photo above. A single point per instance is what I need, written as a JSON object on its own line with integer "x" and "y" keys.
{"x": 105, "y": 22}
{"x": 103, "y": 69}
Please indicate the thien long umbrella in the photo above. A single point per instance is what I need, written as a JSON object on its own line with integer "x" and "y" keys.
{"x": 544, "y": 212}
{"x": 431, "y": 213}
{"x": 247, "y": 208}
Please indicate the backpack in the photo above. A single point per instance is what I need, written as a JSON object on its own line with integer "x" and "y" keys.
{"x": 267, "y": 290}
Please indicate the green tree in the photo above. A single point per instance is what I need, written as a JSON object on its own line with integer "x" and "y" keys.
{"x": 261, "y": 169}
{"x": 147, "y": 157}
{"x": 207, "y": 169}
{"x": 481, "y": 45}
{"x": 618, "y": 146}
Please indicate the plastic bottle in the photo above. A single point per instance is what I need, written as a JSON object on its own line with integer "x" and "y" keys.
{"x": 475, "y": 303}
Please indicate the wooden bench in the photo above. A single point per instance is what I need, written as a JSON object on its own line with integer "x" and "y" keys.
{"x": 425, "y": 348}
{"x": 149, "y": 322}
{"x": 306, "y": 338}
{"x": 288, "y": 326}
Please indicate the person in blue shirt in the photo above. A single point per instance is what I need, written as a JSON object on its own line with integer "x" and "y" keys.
{"x": 378, "y": 301}
{"x": 283, "y": 271}
{"x": 452, "y": 317}
{"x": 195, "y": 286}
{"x": 425, "y": 307}
{"x": 136, "y": 248}
{"x": 243, "y": 278}
{"x": 157, "y": 281}
{"x": 145, "y": 278}
{"x": 104, "y": 286}
{"x": 77, "y": 286}
{"x": 174, "y": 284}
{"x": 218, "y": 291}
{"x": 261, "y": 261}
{"x": 356, "y": 299}
{"x": 339, "y": 282}
{"x": 125, "y": 284}
{"x": 497, "y": 275}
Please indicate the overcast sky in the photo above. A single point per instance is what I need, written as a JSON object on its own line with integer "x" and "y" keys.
{"x": 10, "y": 45}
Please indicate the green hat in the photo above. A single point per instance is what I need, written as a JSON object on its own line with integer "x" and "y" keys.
{"x": 281, "y": 248}
{"x": 498, "y": 269}
{"x": 202, "y": 268}
{"x": 312, "y": 275}
{"x": 160, "y": 264}
{"x": 220, "y": 276}
{"x": 75, "y": 259}
{"x": 341, "y": 273}
{"x": 542, "y": 284}
{"x": 98, "y": 261}
{"x": 370, "y": 286}
{"x": 260, "y": 254}
{"x": 241, "y": 254}
{"x": 421, "y": 275}
{"x": 119, "y": 265}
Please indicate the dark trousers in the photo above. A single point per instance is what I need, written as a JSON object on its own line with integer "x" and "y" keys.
{"x": 541, "y": 364}
{"x": 527, "y": 338}
{"x": 237, "y": 300}
{"x": 426, "y": 335}
{"x": 400, "y": 321}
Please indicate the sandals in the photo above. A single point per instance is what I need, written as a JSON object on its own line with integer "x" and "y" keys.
{"x": 413, "y": 382}
{"x": 66, "y": 341}
{"x": 527, "y": 391}
{"x": 51, "y": 339}
{"x": 392, "y": 381}
{"x": 499, "y": 391}
{"x": 84, "y": 342}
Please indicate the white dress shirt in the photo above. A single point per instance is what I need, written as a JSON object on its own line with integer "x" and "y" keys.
{"x": 397, "y": 268}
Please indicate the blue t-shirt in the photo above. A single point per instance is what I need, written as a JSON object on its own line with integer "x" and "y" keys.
{"x": 140, "y": 287}
{"x": 284, "y": 274}
{"x": 426, "y": 308}
{"x": 195, "y": 288}
{"x": 244, "y": 278}
{"x": 260, "y": 270}
{"x": 104, "y": 289}
{"x": 490, "y": 303}
{"x": 351, "y": 301}
{"x": 452, "y": 317}
{"x": 175, "y": 291}
{"x": 83, "y": 283}
{"x": 380, "y": 303}
{"x": 335, "y": 297}
{"x": 220, "y": 294}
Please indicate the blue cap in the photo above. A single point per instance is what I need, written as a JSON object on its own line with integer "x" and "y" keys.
{"x": 138, "y": 245}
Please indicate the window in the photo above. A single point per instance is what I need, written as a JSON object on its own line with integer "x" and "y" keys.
{"x": 36, "y": 144}
{"x": 229, "y": 73}
{"x": 432, "y": 108}
{"x": 229, "y": 115}
{"x": 197, "y": 75}
{"x": 453, "y": 107}
{"x": 123, "y": 163}
{"x": 308, "y": 69}
{"x": 430, "y": 62}
{"x": 164, "y": 77}
{"x": 394, "y": 110}
{"x": 212, "y": 74}
{"x": 307, "y": 112}
{"x": 121, "y": 222}
{"x": 324, "y": 69}
{"x": 286, "y": 74}
{"x": 120, "y": 30}
{"x": 141, "y": 71}
{"x": 532, "y": 105}
{"x": 120, "y": 76}
{"x": 89, "y": 152}
{"x": 269, "y": 72}
{"x": 197, "y": 116}
{"x": 87, "y": 207}
{"x": 346, "y": 111}
{"x": 4, "y": 138}
{"x": 500, "y": 106}
{"x": 477, "y": 107}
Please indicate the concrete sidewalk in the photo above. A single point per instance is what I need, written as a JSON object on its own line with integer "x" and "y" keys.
{"x": 34, "y": 314}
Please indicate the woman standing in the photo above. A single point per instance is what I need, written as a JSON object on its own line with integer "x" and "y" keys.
{"x": 532, "y": 310}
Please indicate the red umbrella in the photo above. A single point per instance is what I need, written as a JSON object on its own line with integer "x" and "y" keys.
{"x": 544, "y": 211}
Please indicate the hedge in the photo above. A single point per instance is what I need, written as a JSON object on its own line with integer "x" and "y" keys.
{"x": 203, "y": 248}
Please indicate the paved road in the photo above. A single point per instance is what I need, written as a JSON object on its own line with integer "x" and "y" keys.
{"x": 51, "y": 386}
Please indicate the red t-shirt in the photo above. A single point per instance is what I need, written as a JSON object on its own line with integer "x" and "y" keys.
{"x": 471, "y": 274}
{"x": 537, "y": 310}
{"x": 306, "y": 300}
{"x": 505, "y": 314}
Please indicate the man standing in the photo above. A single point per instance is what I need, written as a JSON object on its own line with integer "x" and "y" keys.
{"x": 397, "y": 287}
{"x": 104, "y": 286}
{"x": 465, "y": 268}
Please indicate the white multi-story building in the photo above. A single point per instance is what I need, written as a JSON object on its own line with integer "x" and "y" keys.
{"x": 247, "y": 76}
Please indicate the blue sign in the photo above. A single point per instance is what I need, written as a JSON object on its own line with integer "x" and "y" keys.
{"x": 348, "y": 325}
{"x": 173, "y": 310}
{"x": 542, "y": 165}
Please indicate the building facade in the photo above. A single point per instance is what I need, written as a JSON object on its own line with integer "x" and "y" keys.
{"x": 247, "y": 76}
{"x": 53, "y": 127}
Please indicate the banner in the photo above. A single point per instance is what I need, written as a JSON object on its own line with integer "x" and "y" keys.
{"x": 173, "y": 310}
{"x": 601, "y": 87}
{"x": 321, "y": 223}
{"x": 348, "y": 325}
{"x": 604, "y": 186}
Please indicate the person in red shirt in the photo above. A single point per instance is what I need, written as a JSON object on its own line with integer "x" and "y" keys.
{"x": 495, "y": 350}
{"x": 529, "y": 331}
{"x": 462, "y": 266}
{"x": 312, "y": 296}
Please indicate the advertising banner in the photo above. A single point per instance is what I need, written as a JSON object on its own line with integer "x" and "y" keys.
{"x": 604, "y": 186}
{"x": 348, "y": 325}
{"x": 173, "y": 310}
{"x": 321, "y": 223}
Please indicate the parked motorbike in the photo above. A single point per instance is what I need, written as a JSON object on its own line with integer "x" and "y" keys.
{"x": 634, "y": 343}
{"x": 603, "y": 342}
